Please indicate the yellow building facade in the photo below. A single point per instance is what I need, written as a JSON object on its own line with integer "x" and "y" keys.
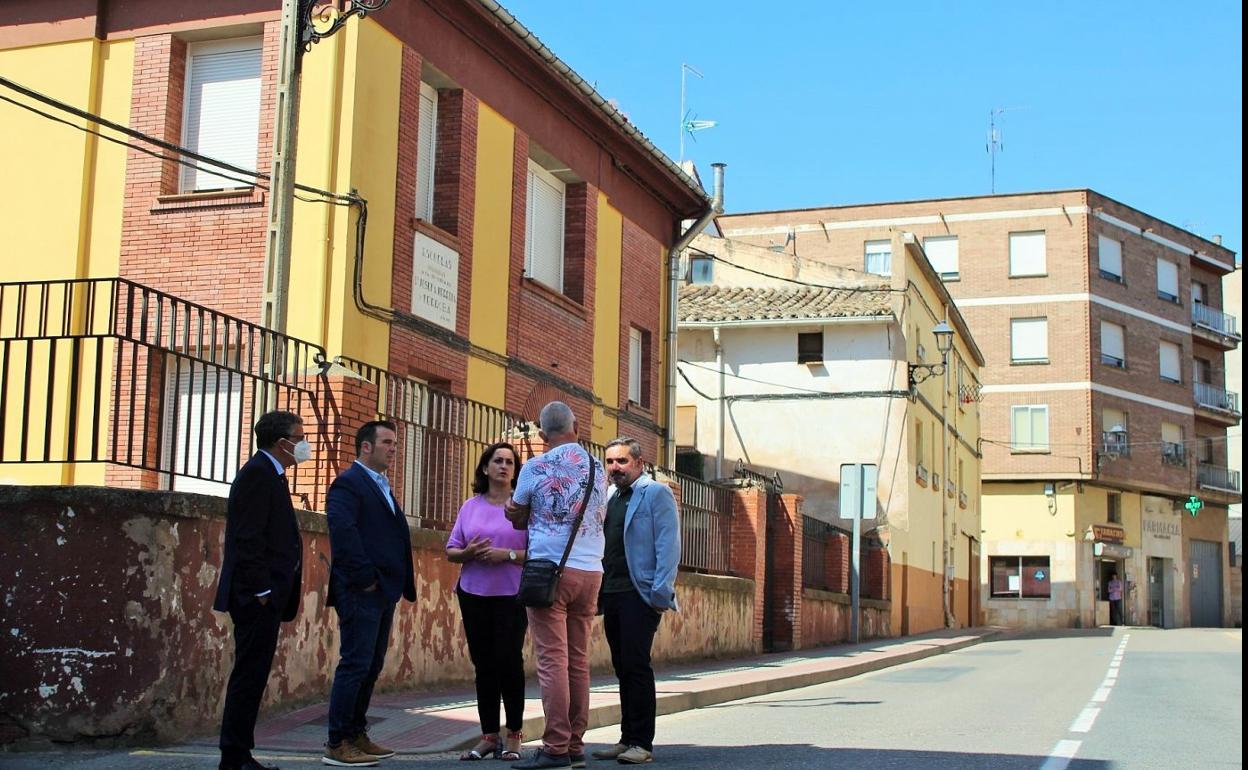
{"x": 506, "y": 243}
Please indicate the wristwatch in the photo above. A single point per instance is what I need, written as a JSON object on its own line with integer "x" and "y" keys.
{"x": 511, "y": 555}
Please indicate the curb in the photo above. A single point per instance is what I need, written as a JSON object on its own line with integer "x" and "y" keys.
{"x": 672, "y": 703}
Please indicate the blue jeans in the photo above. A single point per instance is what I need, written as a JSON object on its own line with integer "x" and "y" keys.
{"x": 364, "y": 619}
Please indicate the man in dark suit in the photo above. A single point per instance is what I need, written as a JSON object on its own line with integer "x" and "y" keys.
{"x": 261, "y": 575}
{"x": 371, "y": 568}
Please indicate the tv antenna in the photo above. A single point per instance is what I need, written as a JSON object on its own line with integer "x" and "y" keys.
{"x": 995, "y": 143}
{"x": 689, "y": 122}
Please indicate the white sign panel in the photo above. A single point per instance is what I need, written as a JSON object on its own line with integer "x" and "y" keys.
{"x": 858, "y": 485}
{"x": 435, "y": 282}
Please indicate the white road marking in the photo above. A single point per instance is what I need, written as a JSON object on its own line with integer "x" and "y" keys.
{"x": 1083, "y": 722}
{"x": 1061, "y": 755}
{"x": 1101, "y": 695}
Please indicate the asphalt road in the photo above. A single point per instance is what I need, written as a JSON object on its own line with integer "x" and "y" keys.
{"x": 1126, "y": 698}
{"x": 1040, "y": 701}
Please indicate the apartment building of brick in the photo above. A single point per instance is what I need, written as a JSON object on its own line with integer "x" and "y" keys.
{"x": 1105, "y": 407}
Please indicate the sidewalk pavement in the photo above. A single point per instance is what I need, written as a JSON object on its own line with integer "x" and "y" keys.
{"x": 413, "y": 723}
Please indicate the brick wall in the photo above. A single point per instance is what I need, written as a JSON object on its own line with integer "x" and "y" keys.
{"x": 204, "y": 248}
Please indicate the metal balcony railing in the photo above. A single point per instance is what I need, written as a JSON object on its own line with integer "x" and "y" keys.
{"x": 1217, "y": 477}
{"x": 1211, "y": 397}
{"x": 1114, "y": 442}
{"x": 1214, "y": 320}
{"x": 1173, "y": 454}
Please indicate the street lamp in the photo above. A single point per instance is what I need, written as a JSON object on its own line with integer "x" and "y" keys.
{"x": 944, "y": 343}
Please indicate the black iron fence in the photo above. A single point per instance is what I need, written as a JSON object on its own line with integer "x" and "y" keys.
{"x": 442, "y": 436}
{"x": 822, "y": 567}
{"x": 163, "y": 393}
{"x": 110, "y": 371}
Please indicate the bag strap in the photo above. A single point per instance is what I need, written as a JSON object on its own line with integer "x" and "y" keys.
{"x": 576, "y": 527}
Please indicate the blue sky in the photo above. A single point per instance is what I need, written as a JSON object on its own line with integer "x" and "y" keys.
{"x": 844, "y": 102}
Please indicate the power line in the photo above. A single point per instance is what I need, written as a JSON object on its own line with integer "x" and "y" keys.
{"x": 183, "y": 153}
{"x": 851, "y": 289}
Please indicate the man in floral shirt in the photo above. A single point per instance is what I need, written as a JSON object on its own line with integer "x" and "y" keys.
{"x": 551, "y": 487}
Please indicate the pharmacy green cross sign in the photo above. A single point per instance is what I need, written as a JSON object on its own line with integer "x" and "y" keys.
{"x": 1193, "y": 505}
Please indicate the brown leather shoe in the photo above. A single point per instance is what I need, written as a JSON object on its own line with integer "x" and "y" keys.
{"x": 346, "y": 754}
{"x": 366, "y": 745}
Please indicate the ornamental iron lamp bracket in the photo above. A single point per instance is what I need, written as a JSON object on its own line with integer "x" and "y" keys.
{"x": 319, "y": 20}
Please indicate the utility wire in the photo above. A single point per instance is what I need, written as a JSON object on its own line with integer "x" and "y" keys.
{"x": 183, "y": 154}
{"x": 852, "y": 289}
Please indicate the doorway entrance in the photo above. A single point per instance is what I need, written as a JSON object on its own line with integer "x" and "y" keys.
{"x": 1156, "y": 592}
{"x": 1106, "y": 569}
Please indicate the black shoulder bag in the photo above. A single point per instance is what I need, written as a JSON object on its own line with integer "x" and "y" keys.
{"x": 539, "y": 579}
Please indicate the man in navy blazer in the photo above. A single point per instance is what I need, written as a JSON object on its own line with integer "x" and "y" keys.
{"x": 639, "y": 566}
{"x": 261, "y": 576}
{"x": 371, "y": 568}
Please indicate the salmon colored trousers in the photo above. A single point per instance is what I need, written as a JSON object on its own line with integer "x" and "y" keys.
{"x": 561, "y": 639}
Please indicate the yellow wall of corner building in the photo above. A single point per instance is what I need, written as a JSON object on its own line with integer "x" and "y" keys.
{"x": 920, "y": 536}
{"x": 64, "y": 219}
{"x": 491, "y": 243}
{"x": 354, "y": 146}
{"x": 607, "y": 284}
{"x": 62, "y": 222}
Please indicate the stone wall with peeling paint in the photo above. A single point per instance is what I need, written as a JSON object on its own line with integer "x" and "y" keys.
{"x": 107, "y": 633}
{"x": 826, "y": 615}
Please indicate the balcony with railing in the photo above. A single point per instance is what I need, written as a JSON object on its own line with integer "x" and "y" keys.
{"x": 1173, "y": 453}
{"x": 1218, "y": 478}
{"x": 1114, "y": 443}
{"x": 1215, "y": 326}
{"x": 1221, "y": 405}
{"x": 163, "y": 393}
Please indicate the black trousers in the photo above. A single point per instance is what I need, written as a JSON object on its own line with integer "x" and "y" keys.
{"x": 255, "y": 641}
{"x": 630, "y": 625}
{"x": 495, "y": 627}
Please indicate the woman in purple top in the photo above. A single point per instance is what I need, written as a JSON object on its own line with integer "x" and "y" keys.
{"x": 492, "y": 552}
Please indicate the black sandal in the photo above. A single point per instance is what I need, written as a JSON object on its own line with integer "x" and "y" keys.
{"x": 486, "y": 747}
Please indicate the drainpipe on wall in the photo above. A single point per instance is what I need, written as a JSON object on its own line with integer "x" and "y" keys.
{"x": 673, "y": 289}
{"x": 719, "y": 365}
{"x": 947, "y": 537}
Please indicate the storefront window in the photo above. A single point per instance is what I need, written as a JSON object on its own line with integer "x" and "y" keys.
{"x": 1020, "y": 577}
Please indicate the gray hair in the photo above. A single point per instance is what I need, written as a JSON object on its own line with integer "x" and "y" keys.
{"x": 634, "y": 446}
{"x": 556, "y": 419}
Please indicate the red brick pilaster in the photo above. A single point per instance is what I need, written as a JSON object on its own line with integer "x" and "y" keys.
{"x": 786, "y": 573}
{"x": 749, "y": 549}
{"x": 876, "y": 569}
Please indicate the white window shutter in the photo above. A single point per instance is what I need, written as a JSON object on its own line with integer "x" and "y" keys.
{"x": 1169, "y": 359}
{"x": 942, "y": 253}
{"x": 1167, "y": 277}
{"x": 1171, "y": 433}
{"x": 543, "y": 253}
{"x": 1029, "y": 339}
{"x": 204, "y": 430}
{"x": 222, "y": 111}
{"x": 1110, "y": 255}
{"x": 634, "y": 365}
{"x": 426, "y": 151}
{"x": 1027, "y": 253}
{"x": 1112, "y": 343}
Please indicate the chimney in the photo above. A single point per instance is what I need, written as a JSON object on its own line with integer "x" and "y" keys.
{"x": 1217, "y": 239}
{"x": 717, "y": 197}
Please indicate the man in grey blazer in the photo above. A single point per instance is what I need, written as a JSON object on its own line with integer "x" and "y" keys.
{"x": 638, "y": 585}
